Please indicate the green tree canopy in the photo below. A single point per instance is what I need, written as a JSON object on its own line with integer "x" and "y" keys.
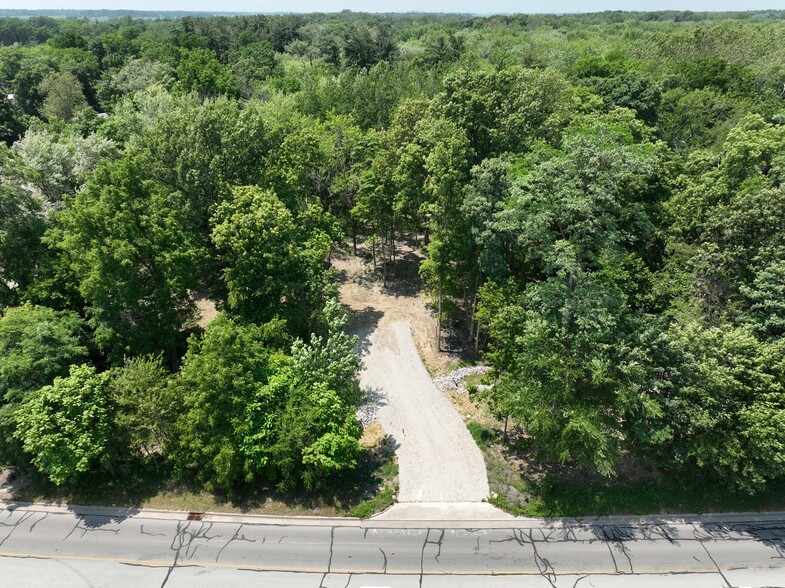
{"x": 22, "y": 222}
{"x": 63, "y": 96}
{"x": 318, "y": 430}
{"x": 726, "y": 414}
{"x": 567, "y": 339}
{"x": 200, "y": 71}
{"x": 145, "y": 409}
{"x": 135, "y": 264}
{"x": 228, "y": 419}
{"x": 271, "y": 268}
{"x": 37, "y": 344}
{"x": 66, "y": 427}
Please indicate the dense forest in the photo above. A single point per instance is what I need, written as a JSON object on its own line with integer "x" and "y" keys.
{"x": 600, "y": 199}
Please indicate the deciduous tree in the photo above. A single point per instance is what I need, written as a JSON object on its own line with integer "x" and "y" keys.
{"x": 66, "y": 427}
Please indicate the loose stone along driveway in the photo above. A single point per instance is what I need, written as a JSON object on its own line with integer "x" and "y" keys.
{"x": 438, "y": 459}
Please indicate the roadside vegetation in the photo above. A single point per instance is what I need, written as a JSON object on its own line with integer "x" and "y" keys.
{"x": 527, "y": 483}
{"x": 599, "y": 200}
{"x": 367, "y": 489}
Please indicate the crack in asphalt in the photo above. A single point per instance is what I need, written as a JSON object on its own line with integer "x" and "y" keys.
{"x": 32, "y": 527}
{"x": 422, "y": 556}
{"x": 613, "y": 557}
{"x": 663, "y": 532}
{"x": 150, "y": 533}
{"x": 425, "y": 543}
{"x": 706, "y": 549}
{"x": 543, "y": 565}
{"x": 41, "y": 557}
{"x": 384, "y": 555}
{"x": 86, "y": 529}
{"x": 568, "y": 534}
{"x": 236, "y": 537}
{"x": 14, "y": 526}
{"x": 76, "y": 572}
{"x": 330, "y": 561}
{"x": 575, "y": 585}
{"x": 184, "y": 540}
{"x": 615, "y": 538}
{"x": 192, "y": 535}
{"x": 439, "y": 545}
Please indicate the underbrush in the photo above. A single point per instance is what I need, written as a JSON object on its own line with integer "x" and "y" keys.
{"x": 362, "y": 492}
{"x": 525, "y": 484}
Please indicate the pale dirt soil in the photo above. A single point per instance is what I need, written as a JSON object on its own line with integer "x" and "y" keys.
{"x": 469, "y": 409}
{"x": 401, "y": 300}
{"x": 372, "y": 436}
{"x": 6, "y": 487}
{"x": 206, "y": 311}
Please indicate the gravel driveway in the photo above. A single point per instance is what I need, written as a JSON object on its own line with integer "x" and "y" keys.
{"x": 437, "y": 458}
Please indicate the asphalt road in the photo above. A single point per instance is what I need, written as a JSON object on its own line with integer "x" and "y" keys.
{"x": 65, "y": 549}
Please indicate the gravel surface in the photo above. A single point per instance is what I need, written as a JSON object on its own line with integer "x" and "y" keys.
{"x": 438, "y": 460}
{"x": 455, "y": 379}
{"x": 6, "y": 489}
{"x": 366, "y": 413}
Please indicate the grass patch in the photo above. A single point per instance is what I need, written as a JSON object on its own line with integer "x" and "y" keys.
{"x": 555, "y": 497}
{"x": 466, "y": 362}
{"x": 383, "y": 499}
{"x": 369, "y": 488}
{"x": 482, "y": 434}
{"x": 474, "y": 380}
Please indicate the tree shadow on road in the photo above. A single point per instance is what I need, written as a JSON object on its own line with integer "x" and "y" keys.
{"x": 770, "y": 533}
{"x": 403, "y": 275}
{"x": 375, "y": 397}
{"x": 93, "y": 520}
{"x": 363, "y": 323}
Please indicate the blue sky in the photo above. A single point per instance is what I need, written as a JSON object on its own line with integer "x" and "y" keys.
{"x": 473, "y": 6}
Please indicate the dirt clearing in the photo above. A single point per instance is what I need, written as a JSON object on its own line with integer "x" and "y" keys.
{"x": 402, "y": 299}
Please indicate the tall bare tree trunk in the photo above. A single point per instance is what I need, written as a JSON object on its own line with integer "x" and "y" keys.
{"x": 439, "y": 320}
{"x": 171, "y": 356}
{"x": 570, "y": 292}
{"x": 392, "y": 243}
{"x": 473, "y": 312}
{"x": 384, "y": 267}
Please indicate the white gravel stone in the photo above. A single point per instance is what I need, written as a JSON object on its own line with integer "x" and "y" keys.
{"x": 366, "y": 413}
{"x": 456, "y": 379}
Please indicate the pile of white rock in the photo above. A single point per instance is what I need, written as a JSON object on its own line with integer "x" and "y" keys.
{"x": 455, "y": 380}
{"x": 366, "y": 413}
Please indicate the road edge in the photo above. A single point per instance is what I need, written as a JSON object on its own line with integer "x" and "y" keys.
{"x": 316, "y": 521}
